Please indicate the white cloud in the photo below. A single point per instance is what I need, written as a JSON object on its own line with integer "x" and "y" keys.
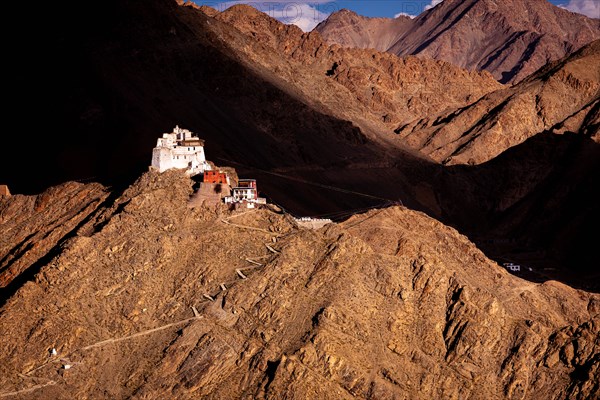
{"x": 591, "y": 8}
{"x": 303, "y": 15}
{"x": 411, "y": 8}
{"x": 306, "y": 16}
{"x": 403, "y": 14}
{"x": 433, "y": 4}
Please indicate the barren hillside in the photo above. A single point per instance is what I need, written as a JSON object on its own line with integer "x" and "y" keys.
{"x": 144, "y": 301}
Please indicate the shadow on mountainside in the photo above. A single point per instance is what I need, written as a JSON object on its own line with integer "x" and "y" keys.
{"x": 537, "y": 205}
{"x": 110, "y": 88}
{"x": 534, "y": 205}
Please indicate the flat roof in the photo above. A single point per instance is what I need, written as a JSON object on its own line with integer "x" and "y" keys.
{"x": 191, "y": 142}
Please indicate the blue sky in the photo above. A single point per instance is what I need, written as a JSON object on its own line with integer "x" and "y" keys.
{"x": 306, "y": 14}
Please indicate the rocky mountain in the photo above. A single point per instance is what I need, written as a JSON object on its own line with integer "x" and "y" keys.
{"x": 510, "y": 39}
{"x": 314, "y": 123}
{"x": 374, "y": 90}
{"x": 149, "y": 298}
{"x": 563, "y": 96}
{"x": 122, "y": 290}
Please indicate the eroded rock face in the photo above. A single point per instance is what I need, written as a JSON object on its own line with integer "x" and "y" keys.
{"x": 34, "y": 226}
{"x": 510, "y": 39}
{"x": 389, "y": 304}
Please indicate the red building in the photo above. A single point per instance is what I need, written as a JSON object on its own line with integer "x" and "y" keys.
{"x": 216, "y": 177}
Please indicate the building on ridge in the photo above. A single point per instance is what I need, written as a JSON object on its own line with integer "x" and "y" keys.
{"x": 216, "y": 177}
{"x": 312, "y": 223}
{"x": 245, "y": 194}
{"x": 180, "y": 149}
{"x": 512, "y": 267}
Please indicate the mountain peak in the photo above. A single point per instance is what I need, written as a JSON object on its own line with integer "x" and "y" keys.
{"x": 344, "y": 11}
{"x": 510, "y": 39}
{"x": 243, "y": 9}
{"x": 353, "y": 30}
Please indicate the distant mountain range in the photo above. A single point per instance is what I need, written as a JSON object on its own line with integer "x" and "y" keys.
{"x": 511, "y": 39}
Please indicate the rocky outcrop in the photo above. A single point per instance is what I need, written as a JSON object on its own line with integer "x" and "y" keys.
{"x": 510, "y": 39}
{"x": 152, "y": 299}
{"x": 4, "y": 191}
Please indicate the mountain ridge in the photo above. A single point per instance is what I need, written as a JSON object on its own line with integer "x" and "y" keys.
{"x": 363, "y": 32}
{"x": 558, "y": 91}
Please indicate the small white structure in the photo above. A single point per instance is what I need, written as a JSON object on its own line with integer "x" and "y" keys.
{"x": 182, "y": 150}
{"x": 512, "y": 267}
{"x": 312, "y": 223}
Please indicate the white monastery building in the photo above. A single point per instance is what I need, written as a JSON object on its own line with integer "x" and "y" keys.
{"x": 180, "y": 149}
